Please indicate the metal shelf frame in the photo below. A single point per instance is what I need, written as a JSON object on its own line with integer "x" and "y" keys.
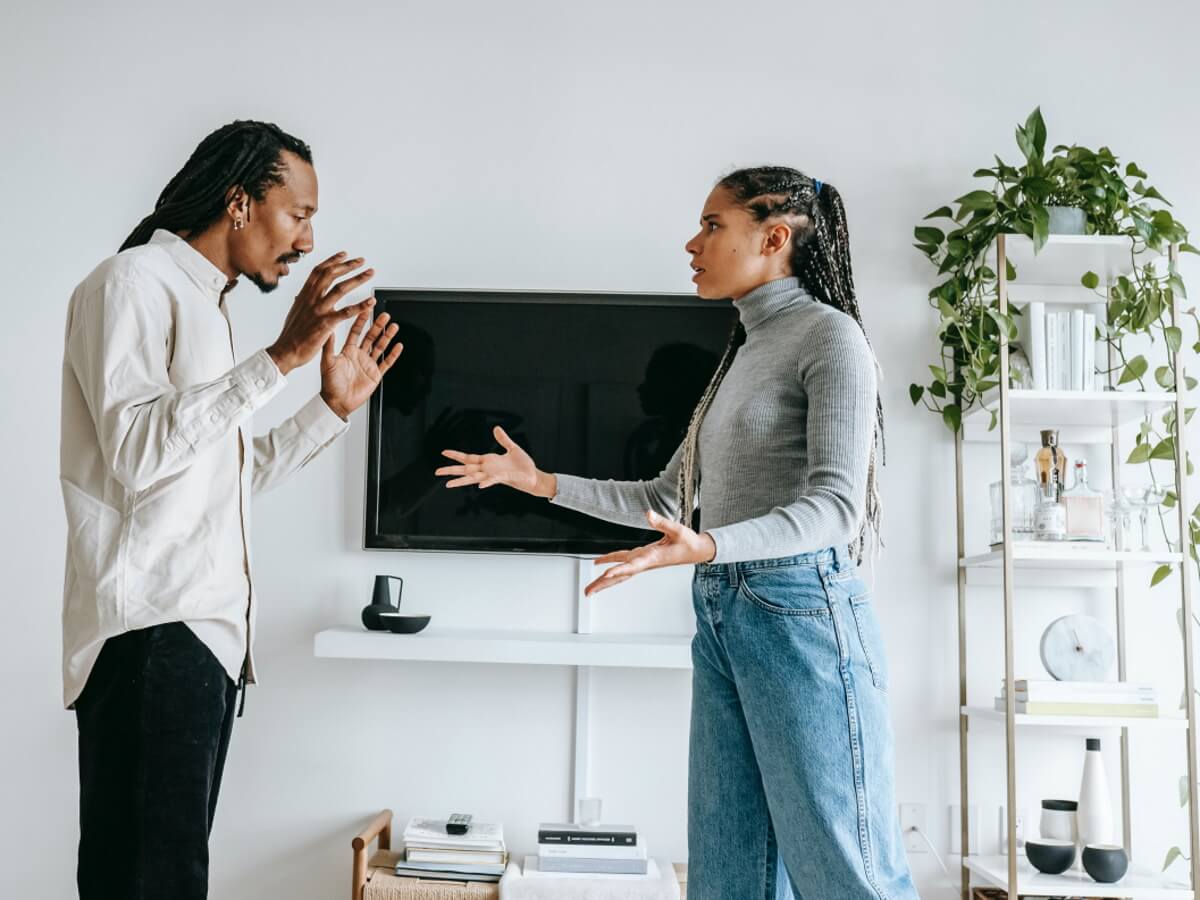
{"x": 1186, "y": 574}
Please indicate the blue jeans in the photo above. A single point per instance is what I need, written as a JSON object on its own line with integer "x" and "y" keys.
{"x": 790, "y": 782}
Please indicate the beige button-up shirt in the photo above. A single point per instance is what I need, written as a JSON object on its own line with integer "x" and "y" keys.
{"x": 156, "y": 479}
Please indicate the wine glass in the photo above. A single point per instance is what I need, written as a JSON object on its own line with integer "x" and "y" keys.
{"x": 1136, "y": 498}
{"x": 1151, "y": 499}
{"x": 1118, "y": 511}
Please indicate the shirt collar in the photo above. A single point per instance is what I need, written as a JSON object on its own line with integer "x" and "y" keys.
{"x": 197, "y": 266}
{"x": 768, "y": 299}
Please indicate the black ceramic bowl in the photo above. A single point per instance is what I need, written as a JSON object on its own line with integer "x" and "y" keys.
{"x": 1051, "y": 857}
{"x": 1106, "y": 863}
{"x": 401, "y": 624}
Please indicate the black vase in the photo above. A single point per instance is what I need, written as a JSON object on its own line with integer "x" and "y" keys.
{"x": 381, "y": 602}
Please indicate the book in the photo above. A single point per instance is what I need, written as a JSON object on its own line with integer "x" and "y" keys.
{"x": 1041, "y": 689}
{"x": 404, "y": 871}
{"x": 1064, "y": 351}
{"x": 1077, "y": 342}
{"x": 1036, "y": 313}
{"x": 532, "y": 869}
{"x": 550, "y": 833}
{"x": 432, "y": 833}
{"x": 593, "y": 866}
{"x": 1089, "y": 352}
{"x": 456, "y": 868}
{"x": 593, "y": 851}
{"x": 1051, "y": 351}
{"x": 1131, "y": 710}
{"x": 461, "y": 857}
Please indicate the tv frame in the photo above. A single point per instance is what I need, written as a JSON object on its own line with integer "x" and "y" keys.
{"x": 573, "y": 547}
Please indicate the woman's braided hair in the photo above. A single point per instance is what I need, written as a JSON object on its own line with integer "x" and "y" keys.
{"x": 243, "y": 154}
{"x": 821, "y": 261}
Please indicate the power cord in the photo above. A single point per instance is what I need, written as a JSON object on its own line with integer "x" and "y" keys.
{"x": 954, "y": 888}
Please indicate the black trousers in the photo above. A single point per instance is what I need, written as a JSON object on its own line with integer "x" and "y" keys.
{"x": 154, "y": 724}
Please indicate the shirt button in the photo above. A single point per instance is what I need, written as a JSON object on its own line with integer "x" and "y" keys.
{"x": 215, "y": 418}
{"x": 260, "y": 382}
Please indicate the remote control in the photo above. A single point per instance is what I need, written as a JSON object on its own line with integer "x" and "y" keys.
{"x": 458, "y": 823}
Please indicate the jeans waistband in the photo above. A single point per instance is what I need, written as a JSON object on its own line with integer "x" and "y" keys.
{"x": 835, "y": 558}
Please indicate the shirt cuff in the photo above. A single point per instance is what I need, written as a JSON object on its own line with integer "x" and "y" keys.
{"x": 258, "y": 379}
{"x": 566, "y": 491}
{"x": 319, "y": 423}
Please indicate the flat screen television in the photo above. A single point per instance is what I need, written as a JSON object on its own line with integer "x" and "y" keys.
{"x": 600, "y": 385}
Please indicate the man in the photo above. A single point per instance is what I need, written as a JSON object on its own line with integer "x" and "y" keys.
{"x": 157, "y": 470}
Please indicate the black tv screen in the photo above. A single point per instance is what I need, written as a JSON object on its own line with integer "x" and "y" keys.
{"x": 600, "y": 385}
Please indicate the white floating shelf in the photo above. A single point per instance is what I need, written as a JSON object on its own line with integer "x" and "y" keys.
{"x": 1093, "y": 723}
{"x": 649, "y": 651}
{"x": 1070, "y": 409}
{"x": 1053, "y": 555}
{"x": 1066, "y": 257}
{"x": 993, "y": 871}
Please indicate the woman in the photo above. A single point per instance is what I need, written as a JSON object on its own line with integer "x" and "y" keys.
{"x": 790, "y": 768}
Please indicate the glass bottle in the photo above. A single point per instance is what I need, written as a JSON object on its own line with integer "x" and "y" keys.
{"x": 1023, "y": 499}
{"x": 1085, "y": 508}
{"x": 1050, "y": 516}
{"x": 1051, "y": 465}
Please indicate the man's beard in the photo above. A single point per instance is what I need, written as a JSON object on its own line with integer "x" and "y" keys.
{"x": 262, "y": 284}
{"x": 260, "y": 280}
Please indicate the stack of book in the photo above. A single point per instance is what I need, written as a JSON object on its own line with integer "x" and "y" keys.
{"x": 1083, "y": 698}
{"x": 594, "y": 850}
{"x": 429, "y": 852}
{"x": 1061, "y": 349}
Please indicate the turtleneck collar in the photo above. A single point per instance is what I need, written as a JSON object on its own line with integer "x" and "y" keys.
{"x": 768, "y": 299}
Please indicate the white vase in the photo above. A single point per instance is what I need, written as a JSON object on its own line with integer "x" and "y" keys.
{"x": 1094, "y": 818}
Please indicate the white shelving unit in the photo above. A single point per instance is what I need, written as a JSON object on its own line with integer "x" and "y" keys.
{"x": 582, "y": 650}
{"x": 1089, "y": 417}
{"x": 993, "y": 872}
{"x": 1066, "y": 257}
{"x": 1086, "y": 723}
{"x": 513, "y": 647}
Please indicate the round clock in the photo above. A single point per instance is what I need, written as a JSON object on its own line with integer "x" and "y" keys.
{"x": 1078, "y": 648}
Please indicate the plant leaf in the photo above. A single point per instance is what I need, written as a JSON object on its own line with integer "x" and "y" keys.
{"x": 1165, "y": 449}
{"x": 916, "y": 392}
{"x": 1173, "y": 854}
{"x": 1134, "y": 370}
{"x": 1174, "y": 336}
{"x": 1159, "y": 575}
{"x": 1090, "y": 280}
{"x": 952, "y": 416}
{"x": 929, "y": 235}
{"x": 942, "y": 212}
{"x": 1140, "y": 454}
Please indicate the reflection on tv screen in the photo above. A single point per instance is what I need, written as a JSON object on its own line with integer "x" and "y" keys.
{"x": 590, "y": 384}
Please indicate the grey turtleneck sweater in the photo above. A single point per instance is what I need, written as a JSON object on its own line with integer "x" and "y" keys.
{"x": 786, "y": 444}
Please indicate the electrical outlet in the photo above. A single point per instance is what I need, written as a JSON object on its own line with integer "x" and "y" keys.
{"x": 1002, "y": 829}
{"x": 956, "y": 829}
{"x": 912, "y": 816}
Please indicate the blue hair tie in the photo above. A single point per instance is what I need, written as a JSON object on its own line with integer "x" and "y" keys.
{"x": 817, "y": 185}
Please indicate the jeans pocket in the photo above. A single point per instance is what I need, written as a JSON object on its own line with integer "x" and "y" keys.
{"x": 870, "y": 637}
{"x": 785, "y": 591}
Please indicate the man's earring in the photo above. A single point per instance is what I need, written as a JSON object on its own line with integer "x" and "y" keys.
{"x": 237, "y": 224}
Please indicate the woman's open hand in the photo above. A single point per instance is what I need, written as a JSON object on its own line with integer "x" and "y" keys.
{"x": 513, "y": 467}
{"x": 678, "y": 546}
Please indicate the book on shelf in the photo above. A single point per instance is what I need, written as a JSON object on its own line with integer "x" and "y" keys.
{"x": 431, "y": 834}
{"x": 593, "y": 851}
{"x": 454, "y": 868}
{"x": 461, "y": 857}
{"x": 1060, "y": 708}
{"x": 1036, "y": 315}
{"x": 621, "y": 835}
{"x": 404, "y": 871}
{"x": 592, "y": 866}
{"x": 1061, "y": 348}
{"x": 1091, "y": 691}
{"x": 533, "y": 869}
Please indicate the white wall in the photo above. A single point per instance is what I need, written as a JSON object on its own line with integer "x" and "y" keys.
{"x": 523, "y": 145}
